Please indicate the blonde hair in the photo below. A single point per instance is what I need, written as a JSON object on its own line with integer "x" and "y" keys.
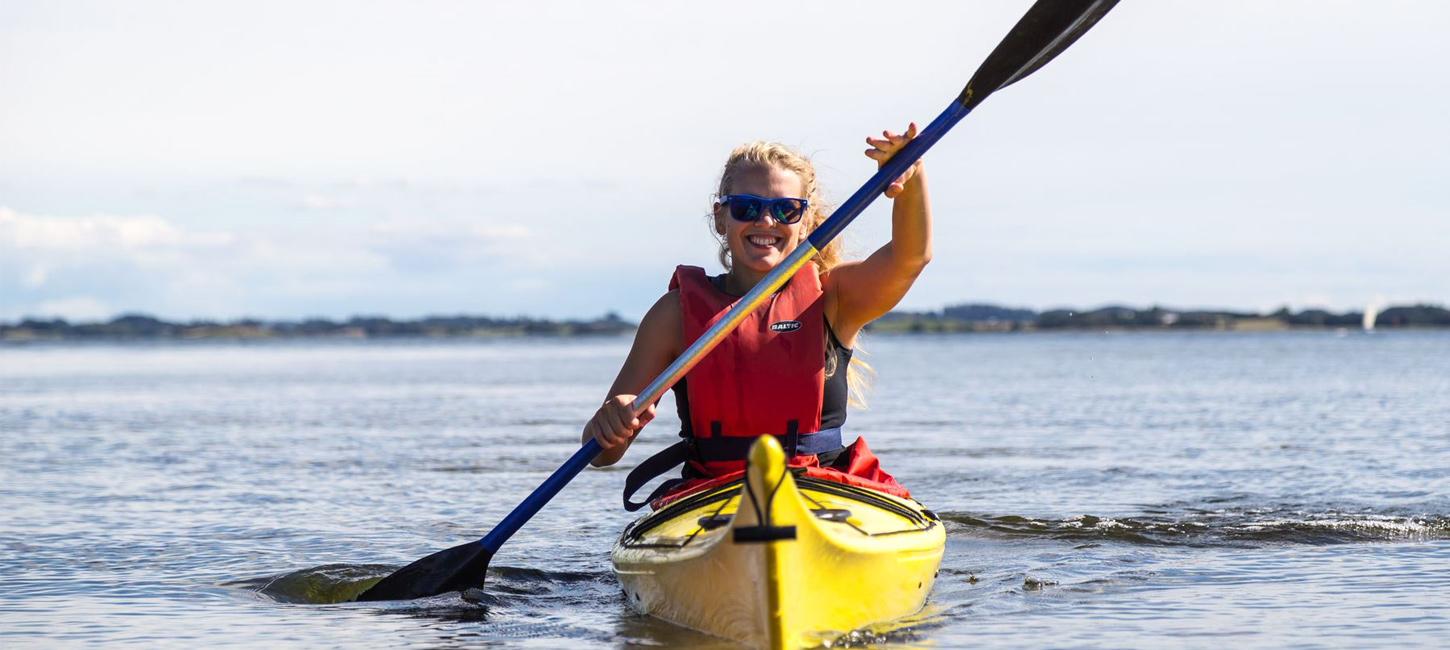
{"x": 765, "y": 155}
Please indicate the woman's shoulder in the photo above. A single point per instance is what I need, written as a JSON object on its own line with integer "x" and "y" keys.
{"x": 835, "y": 279}
{"x": 664, "y": 322}
{"x": 666, "y": 305}
{"x": 831, "y": 278}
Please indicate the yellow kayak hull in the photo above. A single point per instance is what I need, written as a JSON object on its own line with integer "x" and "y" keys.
{"x": 801, "y": 563}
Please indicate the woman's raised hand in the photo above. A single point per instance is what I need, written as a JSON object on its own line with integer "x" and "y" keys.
{"x": 614, "y": 425}
{"x": 886, "y": 146}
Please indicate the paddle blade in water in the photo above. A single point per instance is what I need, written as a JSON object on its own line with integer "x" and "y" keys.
{"x": 1047, "y": 28}
{"x": 454, "y": 569}
{"x": 463, "y": 566}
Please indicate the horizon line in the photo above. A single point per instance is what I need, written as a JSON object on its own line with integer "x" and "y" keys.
{"x": 613, "y": 314}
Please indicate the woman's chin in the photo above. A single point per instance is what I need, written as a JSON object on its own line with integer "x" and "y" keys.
{"x": 760, "y": 264}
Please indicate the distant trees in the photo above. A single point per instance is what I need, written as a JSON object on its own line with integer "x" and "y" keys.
{"x": 987, "y": 313}
{"x": 979, "y": 317}
{"x": 140, "y": 326}
{"x": 1416, "y": 316}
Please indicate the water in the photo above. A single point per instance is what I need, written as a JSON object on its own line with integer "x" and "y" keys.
{"x": 1284, "y": 489}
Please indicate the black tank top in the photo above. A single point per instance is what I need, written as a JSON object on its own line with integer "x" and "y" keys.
{"x": 837, "y": 391}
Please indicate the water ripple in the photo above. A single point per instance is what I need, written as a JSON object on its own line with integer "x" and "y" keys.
{"x": 1213, "y": 528}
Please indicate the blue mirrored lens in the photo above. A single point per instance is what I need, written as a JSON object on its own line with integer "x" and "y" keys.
{"x": 787, "y": 211}
{"x": 744, "y": 208}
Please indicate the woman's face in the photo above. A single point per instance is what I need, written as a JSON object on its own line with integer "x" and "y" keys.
{"x": 761, "y": 245}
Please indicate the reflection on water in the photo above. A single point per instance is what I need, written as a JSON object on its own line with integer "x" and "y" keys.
{"x": 323, "y": 585}
{"x": 1137, "y": 489}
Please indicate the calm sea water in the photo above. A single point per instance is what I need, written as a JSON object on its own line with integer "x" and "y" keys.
{"x": 1112, "y": 490}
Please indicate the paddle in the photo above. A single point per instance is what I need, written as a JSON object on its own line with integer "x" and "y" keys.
{"x": 1048, "y": 28}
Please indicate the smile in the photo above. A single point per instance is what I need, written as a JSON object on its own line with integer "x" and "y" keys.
{"x": 763, "y": 240}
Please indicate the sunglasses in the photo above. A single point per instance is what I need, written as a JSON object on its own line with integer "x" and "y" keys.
{"x": 749, "y": 207}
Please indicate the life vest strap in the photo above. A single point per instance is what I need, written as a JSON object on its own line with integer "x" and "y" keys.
{"x": 666, "y": 459}
{"x": 738, "y": 447}
{"x": 721, "y": 448}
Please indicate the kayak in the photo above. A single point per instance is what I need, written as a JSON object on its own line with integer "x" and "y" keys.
{"x": 804, "y": 560}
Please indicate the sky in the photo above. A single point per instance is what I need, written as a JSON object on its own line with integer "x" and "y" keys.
{"x": 324, "y": 159}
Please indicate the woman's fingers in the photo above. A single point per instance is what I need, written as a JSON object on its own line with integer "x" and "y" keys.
{"x": 892, "y": 142}
{"x": 886, "y": 146}
{"x": 626, "y": 415}
{"x": 602, "y": 429}
{"x": 887, "y": 142}
{"x": 616, "y": 421}
{"x": 605, "y": 436}
{"x": 597, "y": 432}
{"x": 614, "y": 425}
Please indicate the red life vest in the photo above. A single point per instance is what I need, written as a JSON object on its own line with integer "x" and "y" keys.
{"x": 766, "y": 377}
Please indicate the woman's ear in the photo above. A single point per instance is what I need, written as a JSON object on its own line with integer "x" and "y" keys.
{"x": 719, "y": 220}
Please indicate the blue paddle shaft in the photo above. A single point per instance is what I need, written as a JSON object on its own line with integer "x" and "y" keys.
{"x": 545, "y": 492}
{"x": 889, "y": 172}
{"x": 823, "y": 235}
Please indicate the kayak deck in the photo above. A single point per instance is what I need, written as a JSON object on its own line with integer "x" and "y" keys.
{"x": 802, "y": 561}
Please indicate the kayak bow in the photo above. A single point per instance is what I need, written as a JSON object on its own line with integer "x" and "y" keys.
{"x": 800, "y": 562}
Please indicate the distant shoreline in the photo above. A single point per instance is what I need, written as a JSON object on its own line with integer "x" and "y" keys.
{"x": 132, "y": 327}
{"x": 991, "y": 318}
{"x": 954, "y": 319}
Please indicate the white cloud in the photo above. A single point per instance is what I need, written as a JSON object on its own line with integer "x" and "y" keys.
{"x": 421, "y": 228}
{"x": 81, "y": 308}
{"x": 424, "y": 245}
{"x": 324, "y": 202}
{"x": 100, "y": 232}
{"x": 35, "y": 277}
{"x": 53, "y": 265}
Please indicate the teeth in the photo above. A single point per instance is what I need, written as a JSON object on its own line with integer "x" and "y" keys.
{"x": 762, "y": 240}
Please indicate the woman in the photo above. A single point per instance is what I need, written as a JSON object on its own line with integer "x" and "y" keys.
{"x": 784, "y": 371}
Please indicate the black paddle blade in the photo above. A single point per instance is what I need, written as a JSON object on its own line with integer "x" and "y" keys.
{"x": 455, "y": 569}
{"x": 1047, "y": 28}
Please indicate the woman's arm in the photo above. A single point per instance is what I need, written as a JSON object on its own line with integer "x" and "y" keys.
{"x": 656, "y": 343}
{"x": 860, "y": 292}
